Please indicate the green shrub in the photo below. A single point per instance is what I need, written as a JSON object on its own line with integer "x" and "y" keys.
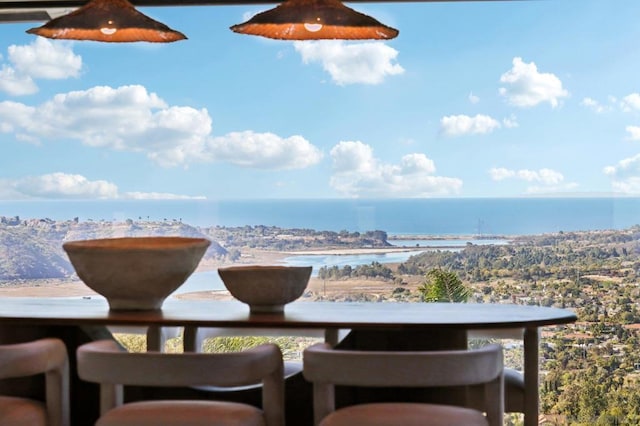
{"x": 291, "y": 347}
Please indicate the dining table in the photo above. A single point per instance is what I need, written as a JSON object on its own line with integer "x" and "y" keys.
{"x": 377, "y": 325}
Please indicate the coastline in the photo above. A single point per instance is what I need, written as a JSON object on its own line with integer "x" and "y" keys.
{"x": 444, "y": 237}
{"x": 346, "y": 252}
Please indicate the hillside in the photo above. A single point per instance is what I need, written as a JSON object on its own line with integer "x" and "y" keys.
{"x": 32, "y": 249}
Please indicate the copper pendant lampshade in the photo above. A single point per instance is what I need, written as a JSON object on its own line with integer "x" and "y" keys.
{"x": 108, "y": 21}
{"x": 315, "y": 20}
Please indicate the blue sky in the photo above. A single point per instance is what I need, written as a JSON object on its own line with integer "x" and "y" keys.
{"x": 474, "y": 99}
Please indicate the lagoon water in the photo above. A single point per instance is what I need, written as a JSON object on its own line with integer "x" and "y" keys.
{"x": 209, "y": 280}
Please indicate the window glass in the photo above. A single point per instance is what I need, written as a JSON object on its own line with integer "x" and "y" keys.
{"x": 498, "y": 140}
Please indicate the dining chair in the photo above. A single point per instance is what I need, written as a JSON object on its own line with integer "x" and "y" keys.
{"x": 46, "y": 357}
{"x": 326, "y": 367}
{"x": 105, "y": 363}
{"x": 194, "y": 339}
{"x": 514, "y": 385}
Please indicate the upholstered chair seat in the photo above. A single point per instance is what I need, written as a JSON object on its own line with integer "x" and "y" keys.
{"x": 183, "y": 413}
{"x": 411, "y": 414}
{"x": 104, "y": 362}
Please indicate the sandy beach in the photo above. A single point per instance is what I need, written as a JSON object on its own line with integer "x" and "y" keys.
{"x": 46, "y": 288}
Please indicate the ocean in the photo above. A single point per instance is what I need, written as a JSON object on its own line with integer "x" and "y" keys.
{"x": 438, "y": 217}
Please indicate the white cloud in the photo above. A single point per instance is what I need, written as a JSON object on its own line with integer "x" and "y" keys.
{"x": 630, "y": 102}
{"x": 41, "y": 59}
{"x": 129, "y": 118}
{"x": 526, "y": 87}
{"x": 16, "y": 84}
{"x": 458, "y": 125}
{"x": 634, "y": 132}
{"x": 365, "y": 63}
{"x": 511, "y": 122}
{"x": 594, "y": 105}
{"x": 357, "y": 173}
{"x": 625, "y": 176}
{"x": 71, "y": 186}
{"x": 473, "y": 98}
{"x": 629, "y": 185}
{"x": 45, "y": 59}
{"x": 416, "y": 163}
{"x": 15, "y": 117}
{"x": 61, "y": 185}
{"x": 500, "y": 173}
{"x": 544, "y": 176}
{"x": 349, "y": 157}
{"x": 625, "y": 168}
{"x": 589, "y": 102}
{"x": 543, "y": 180}
{"x": 264, "y": 150}
{"x": 159, "y": 196}
{"x": 528, "y": 175}
{"x": 549, "y": 177}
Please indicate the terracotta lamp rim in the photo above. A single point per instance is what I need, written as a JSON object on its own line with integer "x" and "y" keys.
{"x": 315, "y": 20}
{"x": 115, "y": 21}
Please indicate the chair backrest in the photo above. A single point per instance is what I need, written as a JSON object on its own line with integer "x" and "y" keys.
{"x": 514, "y": 386}
{"x": 46, "y": 356}
{"x": 105, "y": 363}
{"x": 326, "y": 367}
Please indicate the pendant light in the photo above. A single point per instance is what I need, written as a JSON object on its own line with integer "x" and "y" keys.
{"x": 108, "y": 21}
{"x": 315, "y": 20}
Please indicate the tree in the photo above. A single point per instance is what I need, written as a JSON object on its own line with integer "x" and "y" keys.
{"x": 443, "y": 286}
{"x": 234, "y": 255}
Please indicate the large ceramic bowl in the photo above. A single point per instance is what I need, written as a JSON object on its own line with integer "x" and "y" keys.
{"x": 135, "y": 273}
{"x": 265, "y": 288}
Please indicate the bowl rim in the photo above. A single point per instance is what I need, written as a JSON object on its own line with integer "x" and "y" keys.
{"x": 143, "y": 243}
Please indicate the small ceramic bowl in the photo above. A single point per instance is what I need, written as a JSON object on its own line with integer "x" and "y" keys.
{"x": 135, "y": 273}
{"x": 266, "y": 288}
